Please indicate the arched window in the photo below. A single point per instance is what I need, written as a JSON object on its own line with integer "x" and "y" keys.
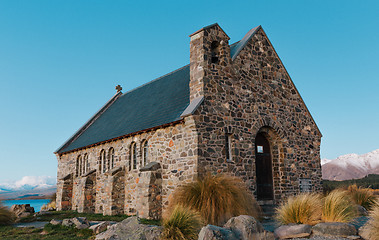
{"x": 145, "y": 149}
{"x": 111, "y": 158}
{"x": 133, "y": 156}
{"x": 215, "y": 51}
{"x": 102, "y": 161}
{"x": 86, "y": 164}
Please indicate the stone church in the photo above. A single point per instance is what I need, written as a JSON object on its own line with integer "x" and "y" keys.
{"x": 234, "y": 109}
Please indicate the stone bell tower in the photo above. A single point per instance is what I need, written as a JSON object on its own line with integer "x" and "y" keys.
{"x": 209, "y": 55}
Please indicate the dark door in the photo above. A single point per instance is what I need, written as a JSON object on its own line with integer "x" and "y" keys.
{"x": 263, "y": 168}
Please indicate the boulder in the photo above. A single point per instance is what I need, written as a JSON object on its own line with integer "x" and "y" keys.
{"x": 131, "y": 229}
{"x": 55, "y": 222}
{"x": 293, "y": 231}
{"x": 245, "y": 227}
{"x": 334, "y": 229}
{"x": 22, "y": 210}
{"x": 364, "y": 232}
{"x": 67, "y": 222}
{"x": 100, "y": 227}
{"x": 80, "y": 222}
{"x": 211, "y": 232}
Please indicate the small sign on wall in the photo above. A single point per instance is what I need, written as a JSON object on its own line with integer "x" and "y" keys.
{"x": 305, "y": 184}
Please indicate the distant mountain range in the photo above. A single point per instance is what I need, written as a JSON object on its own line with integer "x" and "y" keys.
{"x": 350, "y": 166}
{"x": 28, "y": 187}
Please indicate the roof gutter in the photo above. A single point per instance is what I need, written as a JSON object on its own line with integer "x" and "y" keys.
{"x": 124, "y": 136}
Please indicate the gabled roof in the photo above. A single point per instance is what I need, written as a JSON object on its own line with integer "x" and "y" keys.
{"x": 159, "y": 102}
{"x": 156, "y": 103}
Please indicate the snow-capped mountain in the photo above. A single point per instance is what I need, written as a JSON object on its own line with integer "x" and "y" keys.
{"x": 351, "y": 166}
{"x": 40, "y": 185}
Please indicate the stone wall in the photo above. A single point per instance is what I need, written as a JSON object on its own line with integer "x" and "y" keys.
{"x": 173, "y": 147}
{"x": 246, "y": 95}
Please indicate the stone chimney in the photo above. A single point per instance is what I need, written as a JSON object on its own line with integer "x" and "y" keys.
{"x": 209, "y": 54}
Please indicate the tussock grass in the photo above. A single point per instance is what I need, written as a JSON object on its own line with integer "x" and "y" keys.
{"x": 6, "y": 217}
{"x": 338, "y": 207}
{"x": 217, "y": 198}
{"x": 301, "y": 209}
{"x": 361, "y": 196}
{"x": 182, "y": 224}
{"x": 371, "y": 229}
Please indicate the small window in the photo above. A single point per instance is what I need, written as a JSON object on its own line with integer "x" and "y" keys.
{"x": 111, "y": 158}
{"x": 260, "y": 149}
{"x": 228, "y": 147}
{"x": 78, "y": 166}
{"x": 215, "y": 52}
{"x": 145, "y": 149}
{"x": 133, "y": 156}
{"x": 102, "y": 161}
{"x": 86, "y": 164}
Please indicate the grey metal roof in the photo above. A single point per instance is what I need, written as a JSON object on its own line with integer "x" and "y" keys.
{"x": 156, "y": 103}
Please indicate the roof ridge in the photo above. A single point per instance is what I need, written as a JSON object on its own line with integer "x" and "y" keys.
{"x": 154, "y": 80}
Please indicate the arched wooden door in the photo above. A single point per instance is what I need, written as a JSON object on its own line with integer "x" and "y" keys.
{"x": 263, "y": 168}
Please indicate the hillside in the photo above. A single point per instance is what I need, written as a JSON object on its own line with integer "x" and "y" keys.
{"x": 351, "y": 166}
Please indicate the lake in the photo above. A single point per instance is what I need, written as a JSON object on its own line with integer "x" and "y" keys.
{"x": 36, "y": 203}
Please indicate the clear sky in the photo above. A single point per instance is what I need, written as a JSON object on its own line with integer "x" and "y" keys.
{"x": 60, "y": 61}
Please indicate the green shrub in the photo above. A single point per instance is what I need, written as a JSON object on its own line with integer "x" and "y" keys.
{"x": 338, "y": 207}
{"x": 301, "y": 209}
{"x": 361, "y": 196}
{"x": 182, "y": 224}
{"x": 6, "y": 217}
{"x": 371, "y": 229}
{"x": 217, "y": 198}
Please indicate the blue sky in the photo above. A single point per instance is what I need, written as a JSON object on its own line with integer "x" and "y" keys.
{"x": 60, "y": 62}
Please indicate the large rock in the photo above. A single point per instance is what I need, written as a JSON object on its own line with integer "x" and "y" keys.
{"x": 55, "y": 222}
{"x": 293, "y": 231}
{"x": 364, "y": 232}
{"x": 245, "y": 227}
{"x": 67, "y": 222}
{"x": 211, "y": 232}
{"x": 22, "y": 210}
{"x": 131, "y": 229}
{"x": 100, "y": 227}
{"x": 80, "y": 222}
{"x": 334, "y": 229}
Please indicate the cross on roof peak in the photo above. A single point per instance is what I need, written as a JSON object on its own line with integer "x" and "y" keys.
{"x": 118, "y": 88}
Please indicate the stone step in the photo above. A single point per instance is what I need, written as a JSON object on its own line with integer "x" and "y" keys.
{"x": 268, "y": 210}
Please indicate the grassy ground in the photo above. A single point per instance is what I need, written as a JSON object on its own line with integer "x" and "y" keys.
{"x": 60, "y": 232}
{"x": 70, "y": 214}
{"x": 90, "y": 217}
{"x": 57, "y": 232}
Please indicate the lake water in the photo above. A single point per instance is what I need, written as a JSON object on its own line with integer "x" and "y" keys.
{"x": 36, "y": 203}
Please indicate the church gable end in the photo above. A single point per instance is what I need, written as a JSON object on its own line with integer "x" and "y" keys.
{"x": 250, "y": 94}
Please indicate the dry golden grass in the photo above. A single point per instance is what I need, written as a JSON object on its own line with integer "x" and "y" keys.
{"x": 48, "y": 206}
{"x": 6, "y": 217}
{"x": 301, "y": 209}
{"x": 361, "y": 196}
{"x": 338, "y": 207}
{"x": 182, "y": 224}
{"x": 371, "y": 229}
{"x": 217, "y": 198}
